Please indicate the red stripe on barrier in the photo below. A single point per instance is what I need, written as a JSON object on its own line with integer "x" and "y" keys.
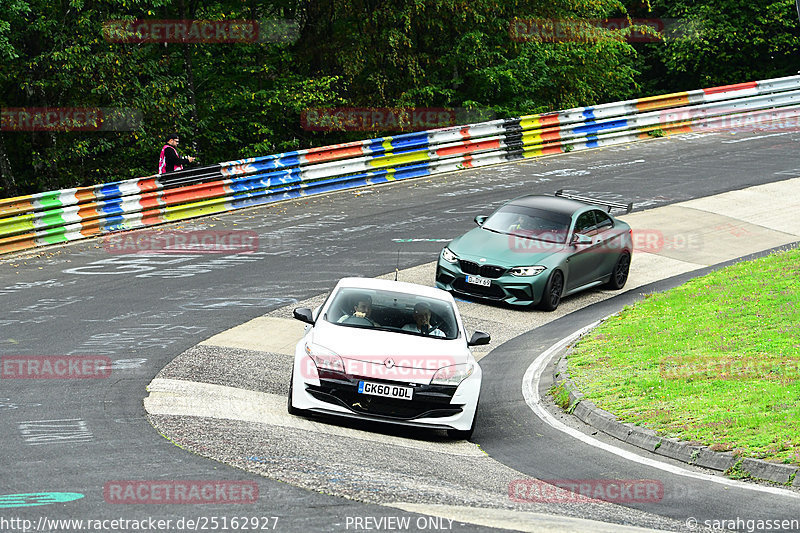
{"x": 546, "y": 121}
{"x": 550, "y": 135}
{"x": 152, "y": 217}
{"x": 734, "y": 87}
{"x": 469, "y": 147}
{"x": 148, "y": 184}
{"x": 547, "y": 150}
{"x": 331, "y": 153}
{"x": 203, "y": 191}
{"x": 150, "y": 201}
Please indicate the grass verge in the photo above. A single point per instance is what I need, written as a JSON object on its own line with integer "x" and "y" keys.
{"x": 715, "y": 361}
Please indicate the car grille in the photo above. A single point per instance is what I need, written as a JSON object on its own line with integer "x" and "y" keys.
{"x": 494, "y": 292}
{"x": 429, "y": 401}
{"x": 485, "y": 271}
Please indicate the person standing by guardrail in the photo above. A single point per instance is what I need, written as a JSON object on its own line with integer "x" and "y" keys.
{"x": 170, "y": 160}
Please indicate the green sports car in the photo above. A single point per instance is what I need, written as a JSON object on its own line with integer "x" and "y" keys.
{"x": 536, "y": 249}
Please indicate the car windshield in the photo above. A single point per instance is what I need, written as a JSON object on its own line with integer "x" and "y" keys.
{"x": 399, "y": 312}
{"x": 529, "y": 223}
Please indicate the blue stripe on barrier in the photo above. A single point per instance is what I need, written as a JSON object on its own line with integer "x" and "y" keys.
{"x": 594, "y": 127}
{"x": 108, "y": 190}
{"x": 113, "y": 223}
{"x": 110, "y": 207}
{"x": 266, "y": 180}
{"x": 412, "y": 142}
{"x": 291, "y": 191}
{"x": 588, "y": 113}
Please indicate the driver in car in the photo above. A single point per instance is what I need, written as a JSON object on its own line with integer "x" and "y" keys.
{"x": 361, "y": 309}
{"x": 422, "y": 321}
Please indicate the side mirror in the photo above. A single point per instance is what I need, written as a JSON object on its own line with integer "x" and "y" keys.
{"x": 479, "y": 338}
{"x": 580, "y": 238}
{"x": 480, "y": 219}
{"x": 303, "y": 314}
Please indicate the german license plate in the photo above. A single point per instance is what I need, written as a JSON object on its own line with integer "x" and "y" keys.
{"x": 477, "y": 280}
{"x": 385, "y": 390}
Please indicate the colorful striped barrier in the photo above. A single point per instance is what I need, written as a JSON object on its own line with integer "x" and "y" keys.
{"x": 71, "y": 214}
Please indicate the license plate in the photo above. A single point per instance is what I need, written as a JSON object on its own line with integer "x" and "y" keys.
{"x": 385, "y": 390}
{"x": 477, "y": 280}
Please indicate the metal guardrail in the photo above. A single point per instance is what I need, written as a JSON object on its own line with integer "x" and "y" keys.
{"x": 71, "y": 214}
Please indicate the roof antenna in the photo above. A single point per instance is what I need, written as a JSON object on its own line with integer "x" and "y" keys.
{"x": 397, "y": 268}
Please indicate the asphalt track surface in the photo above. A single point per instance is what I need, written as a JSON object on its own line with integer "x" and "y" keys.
{"x": 141, "y": 311}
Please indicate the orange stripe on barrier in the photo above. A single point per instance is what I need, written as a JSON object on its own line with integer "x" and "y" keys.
{"x": 85, "y": 195}
{"x": 87, "y": 213}
{"x": 652, "y": 103}
{"x": 17, "y": 243}
{"x": 15, "y": 206}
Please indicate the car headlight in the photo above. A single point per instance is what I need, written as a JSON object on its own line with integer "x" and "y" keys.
{"x": 449, "y": 256}
{"x": 453, "y": 374}
{"x": 527, "y": 271}
{"x": 324, "y": 358}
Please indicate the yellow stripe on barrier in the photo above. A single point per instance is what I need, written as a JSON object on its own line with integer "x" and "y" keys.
{"x": 195, "y": 209}
{"x": 14, "y": 225}
{"x": 399, "y": 159}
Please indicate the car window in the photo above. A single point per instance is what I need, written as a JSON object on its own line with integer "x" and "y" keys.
{"x": 392, "y": 311}
{"x": 529, "y": 222}
{"x": 603, "y": 220}
{"x": 585, "y": 223}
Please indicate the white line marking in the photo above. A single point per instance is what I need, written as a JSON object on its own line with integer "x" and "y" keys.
{"x": 530, "y": 390}
{"x": 758, "y": 137}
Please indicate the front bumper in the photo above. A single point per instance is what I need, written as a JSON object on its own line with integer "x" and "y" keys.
{"x": 514, "y": 290}
{"x": 432, "y": 406}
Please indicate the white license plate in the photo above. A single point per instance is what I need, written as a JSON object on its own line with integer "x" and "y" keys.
{"x": 477, "y": 280}
{"x": 385, "y": 390}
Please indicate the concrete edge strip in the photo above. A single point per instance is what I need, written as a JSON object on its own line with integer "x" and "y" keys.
{"x": 530, "y": 391}
{"x": 693, "y": 454}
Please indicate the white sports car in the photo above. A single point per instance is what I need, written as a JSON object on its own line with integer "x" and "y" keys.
{"x": 387, "y": 351}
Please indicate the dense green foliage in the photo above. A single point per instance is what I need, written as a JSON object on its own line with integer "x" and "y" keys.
{"x": 233, "y": 100}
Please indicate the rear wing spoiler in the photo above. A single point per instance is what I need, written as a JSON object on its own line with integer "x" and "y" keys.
{"x": 594, "y": 201}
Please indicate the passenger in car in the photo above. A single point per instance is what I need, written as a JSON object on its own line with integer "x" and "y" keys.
{"x": 362, "y": 309}
{"x": 422, "y": 321}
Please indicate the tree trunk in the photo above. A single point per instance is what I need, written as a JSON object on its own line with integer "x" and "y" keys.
{"x": 6, "y": 175}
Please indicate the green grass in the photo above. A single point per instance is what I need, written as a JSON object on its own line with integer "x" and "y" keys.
{"x": 715, "y": 361}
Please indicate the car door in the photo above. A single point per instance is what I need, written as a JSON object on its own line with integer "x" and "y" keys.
{"x": 609, "y": 241}
{"x": 582, "y": 259}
